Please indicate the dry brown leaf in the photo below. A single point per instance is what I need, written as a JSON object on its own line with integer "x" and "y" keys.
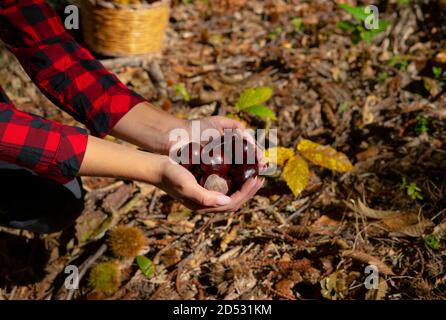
{"x": 400, "y": 221}
{"x": 368, "y": 153}
{"x": 361, "y": 208}
{"x": 324, "y": 225}
{"x": 416, "y": 230}
{"x": 368, "y": 259}
{"x": 334, "y": 286}
{"x": 440, "y": 229}
{"x": 441, "y": 56}
{"x": 367, "y": 115}
{"x": 284, "y": 286}
{"x": 406, "y": 224}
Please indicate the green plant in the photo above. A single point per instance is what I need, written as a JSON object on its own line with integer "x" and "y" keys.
{"x": 422, "y": 125}
{"x": 382, "y": 76}
{"x": 273, "y": 34}
{"x": 181, "y": 90}
{"x": 297, "y": 24}
{"x": 344, "y": 106}
{"x": 146, "y": 266}
{"x": 438, "y": 73}
{"x": 412, "y": 190}
{"x": 357, "y": 29}
{"x": 398, "y": 62}
{"x": 251, "y": 101}
{"x": 433, "y": 241}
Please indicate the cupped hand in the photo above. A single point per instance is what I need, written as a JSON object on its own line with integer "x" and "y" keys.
{"x": 182, "y": 185}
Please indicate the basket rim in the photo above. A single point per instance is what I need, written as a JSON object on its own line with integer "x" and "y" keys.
{"x": 131, "y": 6}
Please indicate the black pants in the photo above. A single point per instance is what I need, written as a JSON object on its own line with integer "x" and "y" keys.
{"x": 33, "y": 203}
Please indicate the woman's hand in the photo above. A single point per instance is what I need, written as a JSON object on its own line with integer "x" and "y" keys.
{"x": 182, "y": 185}
{"x": 108, "y": 159}
{"x": 149, "y": 128}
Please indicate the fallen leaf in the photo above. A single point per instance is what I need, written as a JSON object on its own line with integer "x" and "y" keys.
{"x": 415, "y": 230}
{"x": 440, "y": 229}
{"x": 278, "y": 155}
{"x": 325, "y": 156}
{"x": 296, "y": 174}
{"x": 368, "y": 259}
{"x": 324, "y": 225}
{"x": 361, "y": 208}
{"x": 334, "y": 286}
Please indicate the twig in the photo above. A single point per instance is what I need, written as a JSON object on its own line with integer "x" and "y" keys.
{"x": 153, "y": 201}
{"x": 85, "y": 266}
{"x": 298, "y": 212}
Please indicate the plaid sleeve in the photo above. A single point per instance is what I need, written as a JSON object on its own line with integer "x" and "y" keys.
{"x": 48, "y": 148}
{"x": 64, "y": 71}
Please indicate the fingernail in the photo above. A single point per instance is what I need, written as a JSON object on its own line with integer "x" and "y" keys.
{"x": 223, "y": 200}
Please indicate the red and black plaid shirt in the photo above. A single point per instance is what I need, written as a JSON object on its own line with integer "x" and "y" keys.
{"x": 70, "y": 77}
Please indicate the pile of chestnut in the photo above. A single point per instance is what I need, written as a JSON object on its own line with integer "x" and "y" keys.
{"x": 223, "y": 164}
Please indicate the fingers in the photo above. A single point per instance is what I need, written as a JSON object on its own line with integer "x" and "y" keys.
{"x": 227, "y": 123}
{"x": 203, "y": 197}
{"x": 248, "y": 190}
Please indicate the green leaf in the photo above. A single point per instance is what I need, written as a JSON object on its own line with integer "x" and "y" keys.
{"x": 367, "y": 36}
{"x": 357, "y": 12}
{"x": 253, "y": 96}
{"x": 297, "y": 23}
{"x": 181, "y": 90}
{"x": 382, "y": 26}
{"x": 437, "y": 71}
{"x": 347, "y": 26}
{"x": 261, "y": 111}
{"x": 146, "y": 266}
{"x": 356, "y": 37}
{"x": 433, "y": 241}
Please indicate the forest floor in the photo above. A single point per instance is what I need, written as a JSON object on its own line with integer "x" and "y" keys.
{"x": 381, "y": 104}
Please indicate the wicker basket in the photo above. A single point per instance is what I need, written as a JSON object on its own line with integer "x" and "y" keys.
{"x": 122, "y": 30}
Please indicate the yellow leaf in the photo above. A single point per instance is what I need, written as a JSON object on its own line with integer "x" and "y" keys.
{"x": 296, "y": 174}
{"x": 278, "y": 155}
{"x": 325, "y": 156}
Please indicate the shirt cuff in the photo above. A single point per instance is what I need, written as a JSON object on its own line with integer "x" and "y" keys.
{"x": 120, "y": 100}
{"x": 69, "y": 155}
